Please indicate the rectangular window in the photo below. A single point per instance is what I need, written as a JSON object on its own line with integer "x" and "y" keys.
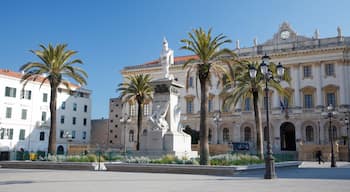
{"x": 6, "y": 133}
{"x": 132, "y": 110}
{"x": 26, "y": 94}
{"x": 22, "y": 134}
{"x": 330, "y": 99}
{"x": 8, "y": 112}
{"x": 329, "y": 69}
{"x": 73, "y": 134}
{"x": 84, "y": 135}
{"x": 210, "y": 105}
{"x": 308, "y": 103}
{"x": 10, "y": 92}
{"x": 43, "y": 116}
{"x": 62, "y": 119}
{"x": 190, "y": 82}
{"x": 307, "y": 71}
{"x": 42, "y": 136}
{"x": 74, "y": 106}
{"x": 24, "y": 114}
{"x": 10, "y": 134}
{"x": 146, "y": 109}
{"x": 84, "y": 122}
{"x": 2, "y": 133}
{"x": 61, "y": 133}
{"x": 189, "y": 106}
{"x": 63, "y": 105}
{"x": 85, "y": 108}
{"x": 74, "y": 120}
{"x": 45, "y": 95}
{"x": 247, "y": 104}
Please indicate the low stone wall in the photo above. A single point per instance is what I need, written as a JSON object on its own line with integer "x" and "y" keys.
{"x": 215, "y": 149}
{"x": 46, "y": 165}
{"x": 178, "y": 169}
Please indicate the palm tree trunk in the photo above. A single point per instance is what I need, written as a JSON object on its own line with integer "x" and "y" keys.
{"x": 52, "y": 135}
{"x": 259, "y": 138}
{"x": 139, "y": 124}
{"x": 203, "y": 129}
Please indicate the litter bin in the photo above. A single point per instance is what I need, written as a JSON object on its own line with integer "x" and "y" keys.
{"x": 32, "y": 156}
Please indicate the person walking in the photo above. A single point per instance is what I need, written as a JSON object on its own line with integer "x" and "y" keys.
{"x": 319, "y": 156}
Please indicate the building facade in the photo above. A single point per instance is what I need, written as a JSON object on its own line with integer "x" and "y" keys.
{"x": 25, "y": 116}
{"x": 319, "y": 68}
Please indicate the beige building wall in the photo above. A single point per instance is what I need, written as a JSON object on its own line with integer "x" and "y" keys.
{"x": 319, "y": 69}
{"x": 99, "y": 133}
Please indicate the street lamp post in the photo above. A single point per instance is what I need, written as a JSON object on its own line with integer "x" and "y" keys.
{"x": 346, "y": 120}
{"x": 217, "y": 119}
{"x": 124, "y": 120}
{"x": 331, "y": 114}
{"x": 267, "y": 76}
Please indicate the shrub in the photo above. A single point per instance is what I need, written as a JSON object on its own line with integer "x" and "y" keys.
{"x": 234, "y": 159}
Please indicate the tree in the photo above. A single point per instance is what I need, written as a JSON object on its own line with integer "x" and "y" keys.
{"x": 137, "y": 89}
{"x": 53, "y": 67}
{"x": 247, "y": 87}
{"x": 207, "y": 49}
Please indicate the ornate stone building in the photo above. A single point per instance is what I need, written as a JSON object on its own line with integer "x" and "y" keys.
{"x": 319, "y": 68}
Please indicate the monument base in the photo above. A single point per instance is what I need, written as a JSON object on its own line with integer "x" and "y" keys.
{"x": 159, "y": 143}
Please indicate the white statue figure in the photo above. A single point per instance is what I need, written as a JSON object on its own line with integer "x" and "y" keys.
{"x": 237, "y": 44}
{"x": 339, "y": 31}
{"x": 317, "y": 34}
{"x": 166, "y": 58}
{"x": 158, "y": 117}
{"x": 255, "y": 42}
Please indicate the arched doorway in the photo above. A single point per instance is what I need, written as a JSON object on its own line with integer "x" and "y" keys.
{"x": 60, "y": 150}
{"x": 287, "y": 131}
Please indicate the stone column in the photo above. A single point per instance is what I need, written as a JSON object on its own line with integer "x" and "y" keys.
{"x": 296, "y": 73}
{"x": 342, "y": 89}
{"x": 318, "y": 78}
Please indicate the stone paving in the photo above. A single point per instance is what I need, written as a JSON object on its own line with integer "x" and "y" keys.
{"x": 309, "y": 177}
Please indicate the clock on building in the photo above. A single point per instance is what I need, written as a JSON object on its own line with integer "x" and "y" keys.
{"x": 285, "y": 34}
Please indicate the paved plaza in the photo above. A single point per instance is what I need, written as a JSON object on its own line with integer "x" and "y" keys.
{"x": 309, "y": 177}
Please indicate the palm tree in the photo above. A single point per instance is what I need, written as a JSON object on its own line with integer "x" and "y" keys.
{"x": 247, "y": 87}
{"x": 207, "y": 49}
{"x": 137, "y": 89}
{"x": 54, "y": 66}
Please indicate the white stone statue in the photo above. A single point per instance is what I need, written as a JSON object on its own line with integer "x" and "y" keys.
{"x": 166, "y": 58}
{"x": 317, "y": 34}
{"x": 339, "y": 31}
{"x": 237, "y": 44}
{"x": 158, "y": 117}
{"x": 255, "y": 42}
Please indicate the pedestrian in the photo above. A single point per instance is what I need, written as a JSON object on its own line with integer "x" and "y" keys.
{"x": 319, "y": 156}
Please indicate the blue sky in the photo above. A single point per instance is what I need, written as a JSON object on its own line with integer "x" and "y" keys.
{"x": 111, "y": 34}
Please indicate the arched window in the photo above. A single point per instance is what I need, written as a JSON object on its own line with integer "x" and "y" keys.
{"x": 225, "y": 135}
{"x": 131, "y": 136}
{"x": 144, "y": 132}
{"x": 309, "y": 132}
{"x": 247, "y": 134}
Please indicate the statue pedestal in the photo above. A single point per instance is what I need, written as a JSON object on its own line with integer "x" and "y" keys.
{"x": 164, "y": 135}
